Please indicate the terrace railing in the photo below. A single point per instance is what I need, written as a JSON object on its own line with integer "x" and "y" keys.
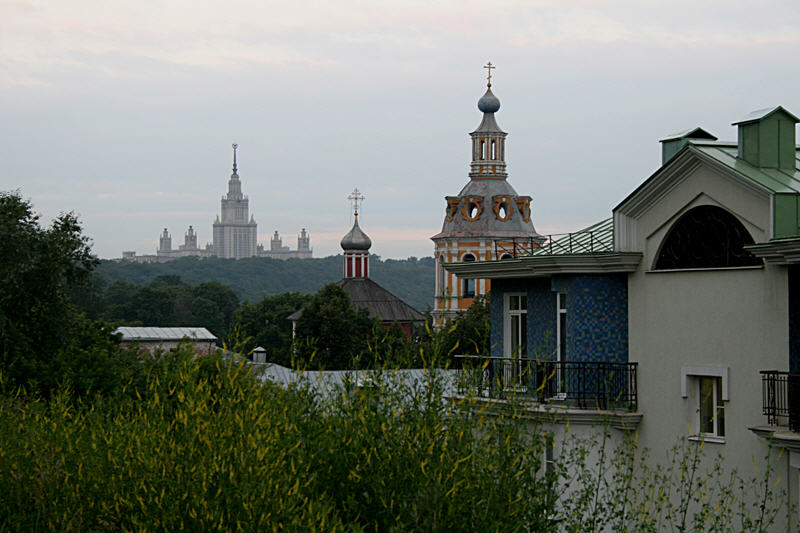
{"x": 575, "y": 384}
{"x": 780, "y": 393}
{"x": 582, "y": 242}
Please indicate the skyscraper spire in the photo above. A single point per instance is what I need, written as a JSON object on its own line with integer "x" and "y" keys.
{"x": 235, "y": 146}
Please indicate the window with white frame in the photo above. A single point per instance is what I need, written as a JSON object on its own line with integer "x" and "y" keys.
{"x": 561, "y": 327}
{"x": 558, "y": 388}
{"x": 707, "y": 390}
{"x": 711, "y": 409}
{"x": 516, "y": 341}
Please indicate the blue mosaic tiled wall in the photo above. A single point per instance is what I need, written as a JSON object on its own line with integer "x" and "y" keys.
{"x": 541, "y": 318}
{"x": 597, "y": 316}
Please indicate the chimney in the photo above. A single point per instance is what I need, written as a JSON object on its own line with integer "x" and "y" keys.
{"x": 767, "y": 138}
{"x": 672, "y": 144}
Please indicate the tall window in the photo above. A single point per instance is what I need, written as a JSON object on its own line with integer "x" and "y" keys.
{"x": 518, "y": 316}
{"x": 468, "y": 287}
{"x": 558, "y": 387}
{"x": 711, "y": 408}
{"x": 516, "y": 337}
{"x": 561, "y": 326}
{"x": 442, "y": 277}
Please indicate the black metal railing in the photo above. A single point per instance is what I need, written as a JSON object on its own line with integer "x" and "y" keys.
{"x": 581, "y": 242}
{"x": 576, "y": 384}
{"x": 780, "y": 393}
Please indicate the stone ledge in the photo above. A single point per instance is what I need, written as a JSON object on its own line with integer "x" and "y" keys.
{"x": 779, "y": 436}
{"x": 621, "y": 420}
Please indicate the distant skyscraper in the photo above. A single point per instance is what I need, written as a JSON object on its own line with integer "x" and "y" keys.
{"x": 164, "y": 242}
{"x": 235, "y": 234}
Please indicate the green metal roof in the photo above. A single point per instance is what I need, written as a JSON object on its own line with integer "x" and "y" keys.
{"x": 597, "y": 238}
{"x": 774, "y": 180}
{"x": 691, "y": 133}
{"x": 760, "y": 114}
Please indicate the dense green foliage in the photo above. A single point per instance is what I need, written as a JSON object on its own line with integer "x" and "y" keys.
{"x": 254, "y": 278}
{"x": 265, "y": 324}
{"x": 165, "y": 301}
{"x": 203, "y": 446}
{"x": 333, "y": 335}
{"x": 199, "y": 444}
{"x": 40, "y": 329}
{"x": 468, "y": 333}
{"x": 333, "y": 330}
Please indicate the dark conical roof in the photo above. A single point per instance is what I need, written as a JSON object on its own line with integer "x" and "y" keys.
{"x": 356, "y": 239}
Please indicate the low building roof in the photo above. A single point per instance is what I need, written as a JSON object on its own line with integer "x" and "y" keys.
{"x": 379, "y": 302}
{"x": 328, "y": 382}
{"x": 150, "y": 333}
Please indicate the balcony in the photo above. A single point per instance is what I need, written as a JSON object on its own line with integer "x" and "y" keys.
{"x": 573, "y": 385}
{"x": 780, "y": 393}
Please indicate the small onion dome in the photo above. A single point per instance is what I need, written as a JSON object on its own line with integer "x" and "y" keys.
{"x": 356, "y": 239}
{"x": 489, "y": 103}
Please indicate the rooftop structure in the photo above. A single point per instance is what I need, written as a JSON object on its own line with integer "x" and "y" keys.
{"x": 152, "y": 339}
{"x": 484, "y": 217}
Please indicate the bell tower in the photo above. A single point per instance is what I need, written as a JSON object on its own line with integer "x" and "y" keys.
{"x": 486, "y": 221}
{"x": 488, "y": 140}
{"x": 356, "y": 244}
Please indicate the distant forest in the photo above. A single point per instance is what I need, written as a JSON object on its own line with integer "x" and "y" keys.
{"x": 254, "y": 278}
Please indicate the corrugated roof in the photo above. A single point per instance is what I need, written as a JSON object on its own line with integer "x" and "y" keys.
{"x": 149, "y": 333}
{"x": 597, "y": 238}
{"x": 774, "y": 180}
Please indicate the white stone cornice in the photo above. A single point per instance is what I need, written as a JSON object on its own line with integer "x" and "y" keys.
{"x": 546, "y": 265}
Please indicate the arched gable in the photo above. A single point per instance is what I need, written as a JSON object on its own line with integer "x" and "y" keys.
{"x": 706, "y": 236}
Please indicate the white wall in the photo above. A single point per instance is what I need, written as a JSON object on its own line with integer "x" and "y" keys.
{"x": 734, "y": 318}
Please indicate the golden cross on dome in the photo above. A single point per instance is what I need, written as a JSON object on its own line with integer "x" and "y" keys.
{"x": 489, "y": 67}
{"x": 356, "y": 197}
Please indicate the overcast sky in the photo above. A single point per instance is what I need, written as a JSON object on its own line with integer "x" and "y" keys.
{"x": 125, "y": 112}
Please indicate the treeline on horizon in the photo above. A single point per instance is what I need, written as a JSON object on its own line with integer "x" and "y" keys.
{"x": 254, "y": 278}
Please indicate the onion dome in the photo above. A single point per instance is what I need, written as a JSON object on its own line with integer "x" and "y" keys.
{"x": 356, "y": 240}
{"x": 489, "y": 103}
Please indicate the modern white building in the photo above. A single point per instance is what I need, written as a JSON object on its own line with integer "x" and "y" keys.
{"x": 677, "y": 318}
